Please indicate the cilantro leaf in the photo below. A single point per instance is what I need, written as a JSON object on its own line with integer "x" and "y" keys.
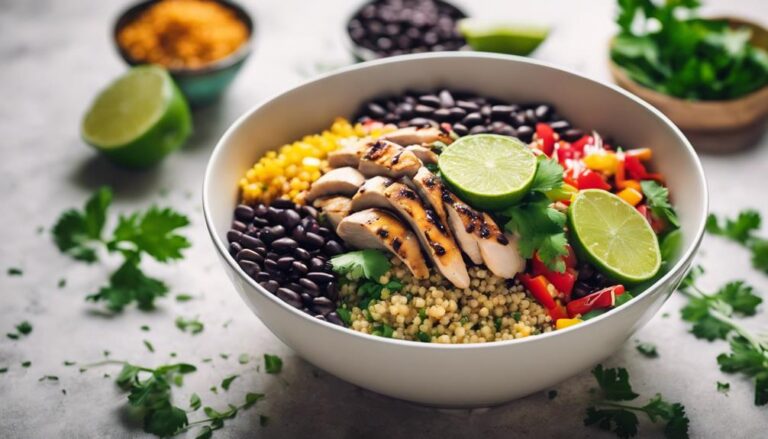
{"x": 151, "y": 232}
{"x": 192, "y": 325}
{"x": 194, "y": 402}
{"x": 165, "y": 421}
{"x": 226, "y": 382}
{"x": 129, "y": 284}
{"x": 548, "y": 177}
{"x": 541, "y": 229}
{"x": 370, "y": 264}
{"x": 614, "y": 383}
{"x": 739, "y": 229}
{"x": 723, "y": 387}
{"x": 345, "y": 315}
{"x": 14, "y": 271}
{"x": 740, "y": 297}
{"x": 24, "y": 327}
{"x": 622, "y": 422}
{"x": 648, "y": 349}
{"x": 658, "y": 200}
{"x": 759, "y": 248}
{"x": 273, "y": 364}
{"x": 78, "y": 232}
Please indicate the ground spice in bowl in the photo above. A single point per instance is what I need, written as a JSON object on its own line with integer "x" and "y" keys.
{"x": 183, "y": 34}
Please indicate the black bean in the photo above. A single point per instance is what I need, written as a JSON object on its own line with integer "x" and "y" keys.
{"x": 316, "y": 264}
{"x": 460, "y": 129}
{"x": 299, "y": 267}
{"x": 234, "y": 235}
{"x": 507, "y": 131}
{"x": 289, "y": 218}
{"x": 290, "y": 297}
{"x": 501, "y": 112}
{"x": 284, "y": 245}
{"x": 282, "y": 203}
{"x": 249, "y": 255}
{"x": 530, "y": 117}
{"x": 272, "y": 214}
{"x": 560, "y": 125}
{"x": 376, "y": 110}
{"x": 405, "y": 110}
{"x": 301, "y": 254}
{"x": 472, "y": 119}
{"x": 271, "y": 286}
{"x": 319, "y": 277}
{"x": 420, "y": 121}
{"x": 250, "y": 242}
{"x": 323, "y": 305}
{"x": 271, "y": 266}
{"x": 446, "y": 99}
{"x": 424, "y": 110}
{"x": 263, "y": 276}
{"x": 260, "y": 210}
{"x": 307, "y": 299}
{"x": 272, "y": 255}
{"x": 485, "y": 111}
{"x": 313, "y": 240}
{"x": 234, "y": 248}
{"x": 298, "y": 233}
{"x": 260, "y": 222}
{"x": 320, "y": 317}
{"x": 479, "y": 129}
{"x": 580, "y": 290}
{"x": 308, "y": 211}
{"x": 469, "y": 107}
{"x": 332, "y": 291}
{"x": 430, "y": 100}
{"x": 261, "y": 250}
{"x": 325, "y": 232}
{"x": 334, "y": 318}
{"x": 285, "y": 262}
{"x": 239, "y": 226}
{"x": 543, "y": 112}
{"x": 443, "y": 114}
{"x": 309, "y": 286}
{"x": 244, "y": 213}
{"x": 572, "y": 135}
{"x": 457, "y": 113}
{"x": 249, "y": 267}
{"x": 525, "y": 133}
{"x": 333, "y": 248}
{"x": 517, "y": 120}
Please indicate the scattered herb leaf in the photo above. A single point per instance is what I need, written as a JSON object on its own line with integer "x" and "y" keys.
{"x": 273, "y": 364}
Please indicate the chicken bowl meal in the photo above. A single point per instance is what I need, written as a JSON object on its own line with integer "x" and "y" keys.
{"x": 441, "y": 210}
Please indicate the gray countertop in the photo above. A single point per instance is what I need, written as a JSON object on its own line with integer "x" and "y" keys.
{"x": 57, "y": 54}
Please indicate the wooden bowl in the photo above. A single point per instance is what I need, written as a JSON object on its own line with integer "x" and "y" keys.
{"x": 717, "y": 126}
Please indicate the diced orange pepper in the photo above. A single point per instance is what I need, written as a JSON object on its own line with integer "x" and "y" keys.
{"x": 631, "y": 196}
{"x": 602, "y": 161}
{"x": 564, "y": 323}
{"x": 641, "y": 153}
{"x": 633, "y": 184}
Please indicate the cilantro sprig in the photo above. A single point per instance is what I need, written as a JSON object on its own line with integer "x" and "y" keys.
{"x": 742, "y": 230}
{"x": 369, "y": 264}
{"x": 712, "y": 316}
{"x": 609, "y": 414}
{"x": 658, "y": 201}
{"x": 541, "y": 227}
{"x": 80, "y": 234}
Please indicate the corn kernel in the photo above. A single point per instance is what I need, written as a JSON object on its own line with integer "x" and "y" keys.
{"x": 631, "y": 196}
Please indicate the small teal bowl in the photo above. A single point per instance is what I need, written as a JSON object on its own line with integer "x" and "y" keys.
{"x": 203, "y": 85}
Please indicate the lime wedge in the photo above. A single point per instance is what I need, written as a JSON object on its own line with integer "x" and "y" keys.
{"x": 139, "y": 119}
{"x": 488, "y": 171}
{"x": 511, "y": 39}
{"x": 614, "y": 236}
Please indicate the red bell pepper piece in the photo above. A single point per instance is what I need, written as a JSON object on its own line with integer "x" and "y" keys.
{"x": 570, "y": 177}
{"x": 557, "y": 313}
{"x": 538, "y": 286}
{"x": 602, "y": 299}
{"x": 657, "y": 224}
{"x": 547, "y": 136}
{"x": 581, "y": 143}
{"x": 635, "y": 168}
{"x": 588, "y": 179}
{"x": 562, "y": 281}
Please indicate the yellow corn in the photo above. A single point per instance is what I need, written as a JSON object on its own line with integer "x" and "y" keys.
{"x": 290, "y": 171}
{"x": 604, "y": 161}
{"x": 564, "y": 323}
{"x": 631, "y": 196}
{"x": 633, "y": 184}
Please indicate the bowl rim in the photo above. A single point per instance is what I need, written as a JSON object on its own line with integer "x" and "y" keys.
{"x": 127, "y": 14}
{"x": 684, "y": 261}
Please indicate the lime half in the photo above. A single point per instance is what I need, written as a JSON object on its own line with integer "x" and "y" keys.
{"x": 614, "y": 236}
{"x": 488, "y": 171}
{"x": 502, "y": 38}
{"x": 139, "y": 119}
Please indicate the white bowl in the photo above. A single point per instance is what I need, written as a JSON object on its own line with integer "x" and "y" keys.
{"x": 455, "y": 375}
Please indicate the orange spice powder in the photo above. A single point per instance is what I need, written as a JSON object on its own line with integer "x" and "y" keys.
{"x": 183, "y": 33}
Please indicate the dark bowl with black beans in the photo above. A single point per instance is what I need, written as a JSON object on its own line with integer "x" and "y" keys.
{"x": 383, "y": 28}
{"x": 294, "y": 294}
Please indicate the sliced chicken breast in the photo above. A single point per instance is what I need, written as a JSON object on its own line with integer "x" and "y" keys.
{"x": 501, "y": 253}
{"x": 417, "y": 136}
{"x": 343, "y": 181}
{"x": 426, "y": 155}
{"x": 334, "y": 208}
{"x": 433, "y": 234}
{"x": 348, "y": 155}
{"x": 376, "y": 228}
{"x": 389, "y": 159}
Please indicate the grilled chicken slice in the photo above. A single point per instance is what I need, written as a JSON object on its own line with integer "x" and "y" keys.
{"x": 417, "y": 136}
{"x": 375, "y": 228}
{"x": 343, "y": 181}
{"x": 389, "y": 159}
{"x": 476, "y": 232}
{"x": 434, "y": 236}
{"x": 426, "y": 155}
{"x": 348, "y": 155}
{"x": 335, "y": 208}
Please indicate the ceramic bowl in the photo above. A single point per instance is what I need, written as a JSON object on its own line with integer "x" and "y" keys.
{"x": 202, "y": 85}
{"x": 470, "y": 375}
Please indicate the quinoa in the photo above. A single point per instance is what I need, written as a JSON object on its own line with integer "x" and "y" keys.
{"x": 433, "y": 310}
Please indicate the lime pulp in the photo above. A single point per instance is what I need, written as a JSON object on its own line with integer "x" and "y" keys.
{"x": 513, "y": 39}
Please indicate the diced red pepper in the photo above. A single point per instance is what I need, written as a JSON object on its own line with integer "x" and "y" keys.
{"x": 570, "y": 259}
{"x": 588, "y": 179}
{"x": 657, "y": 224}
{"x": 538, "y": 286}
{"x": 569, "y": 177}
{"x": 581, "y": 143}
{"x": 547, "y": 136}
{"x": 562, "y": 281}
{"x": 602, "y": 299}
{"x": 557, "y": 313}
{"x": 635, "y": 168}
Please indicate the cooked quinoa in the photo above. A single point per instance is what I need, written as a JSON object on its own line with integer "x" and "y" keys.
{"x": 491, "y": 309}
{"x": 288, "y": 172}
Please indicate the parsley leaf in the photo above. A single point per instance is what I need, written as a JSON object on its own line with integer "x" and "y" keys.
{"x": 620, "y": 421}
{"x": 193, "y": 325}
{"x": 723, "y": 387}
{"x": 129, "y": 284}
{"x": 741, "y": 230}
{"x": 226, "y": 382}
{"x": 658, "y": 200}
{"x": 541, "y": 229}
{"x": 614, "y": 383}
{"x": 194, "y": 402}
{"x": 370, "y": 264}
{"x": 151, "y": 232}
{"x": 273, "y": 364}
{"x": 548, "y": 177}
{"x": 648, "y": 349}
{"x": 77, "y": 232}
{"x": 733, "y": 297}
{"x": 24, "y": 327}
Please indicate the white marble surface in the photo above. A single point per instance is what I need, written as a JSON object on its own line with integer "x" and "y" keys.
{"x": 57, "y": 54}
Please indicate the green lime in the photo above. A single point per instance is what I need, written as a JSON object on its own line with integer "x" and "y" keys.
{"x": 614, "y": 236}
{"x": 502, "y": 38}
{"x": 487, "y": 170}
{"x": 139, "y": 119}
